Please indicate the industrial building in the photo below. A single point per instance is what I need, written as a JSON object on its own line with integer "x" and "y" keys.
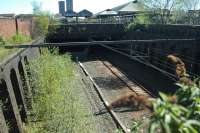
{"x": 61, "y": 7}
{"x": 69, "y": 6}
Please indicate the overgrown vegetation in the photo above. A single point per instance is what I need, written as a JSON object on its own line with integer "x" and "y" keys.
{"x": 15, "y": 39}
{"x": 177, "y": 113}
{"x": 56, "y": 106}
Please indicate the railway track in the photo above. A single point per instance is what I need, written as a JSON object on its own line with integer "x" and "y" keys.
{"x": 110, "y": 83}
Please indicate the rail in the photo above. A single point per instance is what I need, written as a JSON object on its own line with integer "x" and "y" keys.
{"x": 103, "y": 99}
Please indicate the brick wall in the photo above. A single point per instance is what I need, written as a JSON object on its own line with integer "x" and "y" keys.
{"x": 7, "y": 27}
{"x": 25, "y": 26}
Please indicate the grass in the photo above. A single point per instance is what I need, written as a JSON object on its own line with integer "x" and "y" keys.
{"x": 16, "y": 39}
{"x": 56, "y": 104}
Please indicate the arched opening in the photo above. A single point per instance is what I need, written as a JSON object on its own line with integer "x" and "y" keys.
{"x": 24, "y": 83}
{"x": 7, "y": 108}
{"x": 18, "y": 96}
{"x": 27, "y": 66}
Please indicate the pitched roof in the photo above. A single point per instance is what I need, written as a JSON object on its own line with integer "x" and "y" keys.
{"x": 107, "y": 12}
{"x": 127, "y": 8}
{"x": 7, "y": 15}
{"x": 85, "y": 13}
{"x": 133, "y": 6}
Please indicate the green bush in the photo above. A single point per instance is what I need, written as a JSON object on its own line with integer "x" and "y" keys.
{"x": 56, "y": 106}
{"x": 136, "y": 27}
{"x": 41, "y": 25}
{"x": 180, "y": 117}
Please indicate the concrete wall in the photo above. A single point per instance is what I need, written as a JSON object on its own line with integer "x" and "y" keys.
{"x": 15, "y": 90}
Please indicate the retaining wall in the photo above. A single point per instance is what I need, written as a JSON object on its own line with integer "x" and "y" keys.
{"x": 189, "y": 51}
{"x": 15, "y": 91}
{"x": 84, "y": 32}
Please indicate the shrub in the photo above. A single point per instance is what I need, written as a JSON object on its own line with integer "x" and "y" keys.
{"x": 136, "y": 27}
{"x": 180, "y": 117}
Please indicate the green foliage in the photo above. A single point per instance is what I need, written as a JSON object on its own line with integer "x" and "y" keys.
{"x": 136, "y": 126}
{"x": 142, "y": 19}
{"x": 56, "y": 106}
{"x": 18, "y": 38}
{"x": 42, "y": 20}
{"x": 136, "y": 27}
{"x": 41, "y": 25}
{"x": 180, "y": 117}
{"x": 37, "y": 7}
{"x": 140, "y": 23}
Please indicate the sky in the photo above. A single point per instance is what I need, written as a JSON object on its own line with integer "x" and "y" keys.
{"x": 24, "y": 6}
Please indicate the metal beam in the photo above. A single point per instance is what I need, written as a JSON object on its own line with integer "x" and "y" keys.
{"x": 92, "y": 43}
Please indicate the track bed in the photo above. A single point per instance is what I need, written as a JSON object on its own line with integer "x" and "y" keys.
{"x": 113, "y": 84}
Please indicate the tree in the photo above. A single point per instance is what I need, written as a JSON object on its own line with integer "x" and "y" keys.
{"x": 191, "y": 7}
{"x": 42, "y": 19}
{"x": 162, "y": 9}
{"x": 37, "y": 7}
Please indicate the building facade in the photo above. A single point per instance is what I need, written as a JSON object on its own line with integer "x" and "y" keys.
{"x": 61, "y": 7}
